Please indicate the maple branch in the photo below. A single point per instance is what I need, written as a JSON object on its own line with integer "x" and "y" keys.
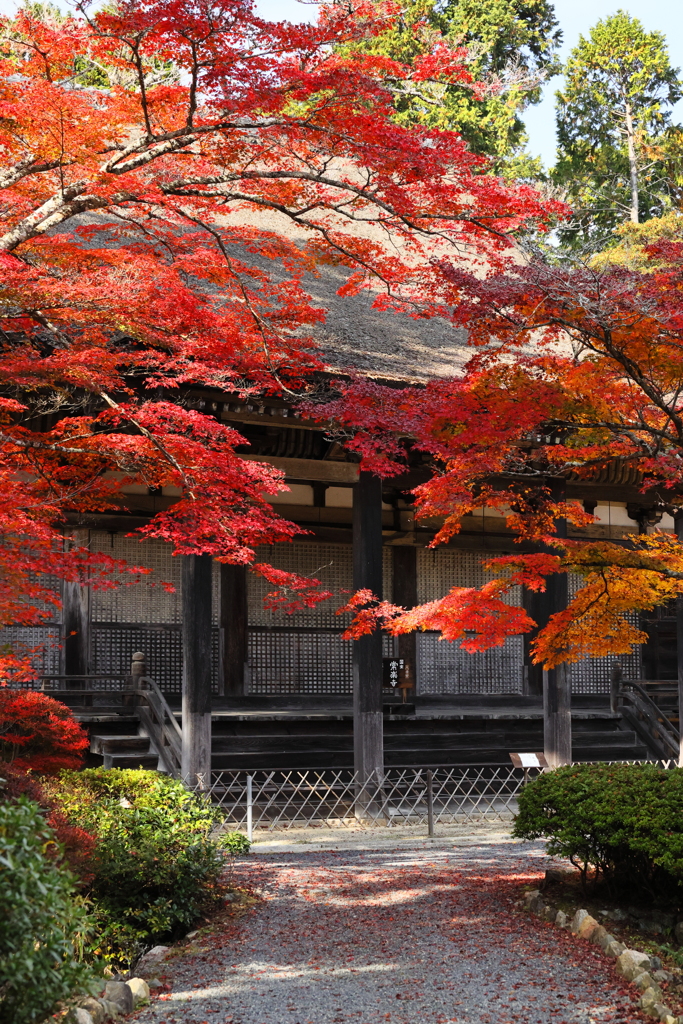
{"x": 170, "y": 458}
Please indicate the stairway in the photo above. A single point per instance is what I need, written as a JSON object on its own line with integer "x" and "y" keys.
{"x": 478, "y": 731}
{"x": 119, "y": 750}
{"x": 312, "y": 732}
{"x": 112, "y": 721}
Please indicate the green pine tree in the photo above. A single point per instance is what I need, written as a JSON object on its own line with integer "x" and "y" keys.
{"x": 616, "y": 103}
{"x": 512, "y": 44}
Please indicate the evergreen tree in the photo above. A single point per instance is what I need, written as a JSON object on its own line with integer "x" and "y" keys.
{"x": 616, "y": 103}
{"x": 512, "y": 48}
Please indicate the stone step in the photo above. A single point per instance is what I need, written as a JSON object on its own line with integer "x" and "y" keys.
{"x": 149, "y": 761}
{"x": 117, "y": 744}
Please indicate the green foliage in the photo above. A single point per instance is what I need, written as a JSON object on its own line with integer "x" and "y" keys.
{"x": 235, "y": 844}
{"x": 512, "y": 46}
{"x": 42, "y": 922}
{"x": 619, "y": 87}
{"x": 156, "y": 865}
{"x": 624, "y": 821}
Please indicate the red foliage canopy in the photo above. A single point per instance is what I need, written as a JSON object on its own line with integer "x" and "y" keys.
{"x": 171, "y": 171}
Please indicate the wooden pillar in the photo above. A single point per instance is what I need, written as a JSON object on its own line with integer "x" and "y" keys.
{"x": 405, "y": 594}
{"x": 557, "y": 691}
{"x": 536, "y": 606}
{"x": 233, "y": 629}
{"x": 196, "y": 606}
{"x": 76, "y": 616}
{"x": 679, "y": 647}
{"x": 368, "y": 735}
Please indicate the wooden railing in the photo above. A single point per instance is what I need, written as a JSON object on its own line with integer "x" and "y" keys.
{"x": 161, "y": 725}
{"x": 649, "y": 721}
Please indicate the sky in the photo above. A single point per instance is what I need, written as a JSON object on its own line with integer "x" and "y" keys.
{"x": 576, "y": 17}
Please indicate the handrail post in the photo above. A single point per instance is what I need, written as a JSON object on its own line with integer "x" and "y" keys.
{"x": 615, "y": 682}
{"x": 250, "y": 808}
{"x": 430, "y": 804}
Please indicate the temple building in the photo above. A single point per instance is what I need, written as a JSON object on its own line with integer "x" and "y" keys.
{"x": 281, "y": 687}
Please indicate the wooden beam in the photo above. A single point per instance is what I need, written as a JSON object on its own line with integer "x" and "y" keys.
{"x": 311, "y": 469}
{"x": 76, "y": 617}
{"x": 233, "y": 629}
{"x": 368, "y": 728}
{"x": 196, "y": 702}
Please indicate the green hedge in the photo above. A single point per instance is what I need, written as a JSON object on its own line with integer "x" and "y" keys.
{"x": 42, "y": 922}
{"x": 623, "y": 821}
{"x": 156, "y": 864}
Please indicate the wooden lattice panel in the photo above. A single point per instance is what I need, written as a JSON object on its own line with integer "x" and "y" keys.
{"x": 317, "y": 660}
{"x": 330, "y": 563}
{"x": 592, "y": 675}
{"x": 146, "y": 600}
{"x": 41, "y": 643}
{"x": 443, "y": 667}
{"x": 297, "y": 662}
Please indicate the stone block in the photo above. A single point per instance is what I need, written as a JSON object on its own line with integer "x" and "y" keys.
{"x": 615, "y": 948}
{"x": 149, "y": 965}
{"x": 110, "y": 1009}
{"x": 79, "y": 1016}
{"x": 587, "y": 927}
{"x": 648, "y": 1002}
{"x": 118, "y": 992}
{"x": 644, "y": 981}
{"x": 140, "y": 991}
{"x": 600, "y": 935}
{"x": 537, "y": 905}
{"x": 561, "y": 919}
{"x": 632, "y": 962}
{"x": 94, "y": 1008}
{"x": 578, "y": 919}
{"x": 529, "y": 896}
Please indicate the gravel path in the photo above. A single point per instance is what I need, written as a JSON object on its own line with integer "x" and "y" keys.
{"x": 393, "y": 934}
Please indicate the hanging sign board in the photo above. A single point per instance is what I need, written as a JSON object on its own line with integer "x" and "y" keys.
{"x": 529, "y": 760}
{"x": 392, "y": 669}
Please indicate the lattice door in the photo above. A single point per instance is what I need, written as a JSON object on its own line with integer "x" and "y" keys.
{"x": 592, "y": 675}
{"x": 443, "y": 667}
{"x": 304, "y": 652}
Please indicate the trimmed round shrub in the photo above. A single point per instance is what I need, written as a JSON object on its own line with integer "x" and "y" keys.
{"x": 42, "y": 923}
{"x": 623, "y": 822}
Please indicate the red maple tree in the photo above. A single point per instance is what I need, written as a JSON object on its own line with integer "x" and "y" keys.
{"x": 576, "y": 367}
{"x": 171, "y": 171}
{"x": 38, "y": 733}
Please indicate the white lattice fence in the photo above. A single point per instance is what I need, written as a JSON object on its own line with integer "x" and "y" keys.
{"x": 277, "y": 800}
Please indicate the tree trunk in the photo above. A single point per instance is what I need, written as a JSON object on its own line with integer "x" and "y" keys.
{"x": 632, "y": 161}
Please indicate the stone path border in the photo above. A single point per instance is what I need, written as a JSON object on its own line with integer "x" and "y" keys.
{"x": 644, "y": 971}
